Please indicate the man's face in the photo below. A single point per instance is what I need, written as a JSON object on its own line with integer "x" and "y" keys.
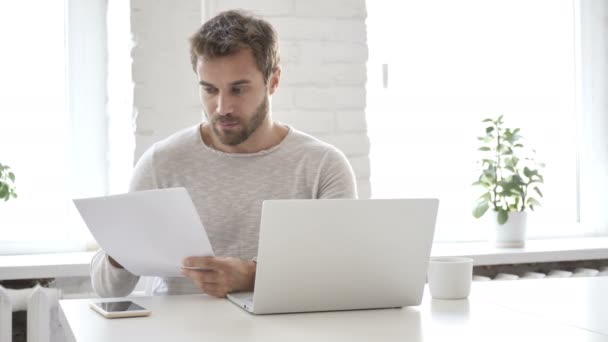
{"x": 234, "y": 96}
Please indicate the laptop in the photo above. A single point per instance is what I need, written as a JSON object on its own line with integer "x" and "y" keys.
{"x": 339, "y": 254}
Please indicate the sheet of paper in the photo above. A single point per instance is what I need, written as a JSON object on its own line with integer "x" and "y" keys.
{"x": 148, "y": 232}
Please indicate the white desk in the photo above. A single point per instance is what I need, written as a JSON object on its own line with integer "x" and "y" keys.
{"x": 572, "y": 309}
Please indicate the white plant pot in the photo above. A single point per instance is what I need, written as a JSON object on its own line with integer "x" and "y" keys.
{"x": 512, "y": 234}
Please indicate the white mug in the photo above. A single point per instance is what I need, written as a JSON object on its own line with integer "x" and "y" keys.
{"x": 450, "y": 277}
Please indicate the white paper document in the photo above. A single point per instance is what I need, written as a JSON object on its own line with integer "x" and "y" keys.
{"x": 148, "y": 232}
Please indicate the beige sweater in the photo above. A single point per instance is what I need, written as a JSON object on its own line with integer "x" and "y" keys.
{"x": 227, "y": 190}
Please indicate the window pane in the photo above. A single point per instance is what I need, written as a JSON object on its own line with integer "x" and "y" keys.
{"x": 452, "y": 64}
{"x": 34, "y": 124}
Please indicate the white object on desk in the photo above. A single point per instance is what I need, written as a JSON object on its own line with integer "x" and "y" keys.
{"x": 341, "y": 254}
{"x": 450, "y": 277}
{"x": 122, "y": 309}
{"x": 148, "y": 232}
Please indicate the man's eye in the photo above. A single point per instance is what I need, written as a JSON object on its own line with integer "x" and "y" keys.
{"x": 210, "y": 90}
{"x": 237, "y": 90}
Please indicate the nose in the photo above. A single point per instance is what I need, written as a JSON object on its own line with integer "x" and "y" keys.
{"x": 224, "y": 105}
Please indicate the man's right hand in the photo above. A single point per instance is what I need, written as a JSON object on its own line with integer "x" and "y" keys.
{"x": 114, "y": 262}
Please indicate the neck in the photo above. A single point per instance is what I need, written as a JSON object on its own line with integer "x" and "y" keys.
{"x": 269, "y": 134}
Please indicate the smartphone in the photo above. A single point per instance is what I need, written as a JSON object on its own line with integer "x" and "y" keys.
{"x": 120, "y": 309}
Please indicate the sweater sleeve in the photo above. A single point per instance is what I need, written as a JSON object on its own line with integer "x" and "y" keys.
{"x": 110, "y": 281}
{"x": 336, "y": 177}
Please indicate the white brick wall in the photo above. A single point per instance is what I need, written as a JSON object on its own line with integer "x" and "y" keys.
{"x": 165, "y": 93}
{"x": 323, "y": 56}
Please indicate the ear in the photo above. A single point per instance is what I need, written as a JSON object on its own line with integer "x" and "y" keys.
{"x": 273, "y": 82}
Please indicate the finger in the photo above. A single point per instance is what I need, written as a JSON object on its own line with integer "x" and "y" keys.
{"x": 215, "y": 290}
{"x": 210, "y": 288}
{"x": 206, "y": 262}
{"x": 202, "y": 277}
{"x": 199, "y": 283}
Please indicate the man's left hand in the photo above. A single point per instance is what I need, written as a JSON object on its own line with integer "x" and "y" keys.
{"x": 220, "y": 275}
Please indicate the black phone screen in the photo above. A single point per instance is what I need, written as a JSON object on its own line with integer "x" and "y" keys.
{"x": 120, "y": 306}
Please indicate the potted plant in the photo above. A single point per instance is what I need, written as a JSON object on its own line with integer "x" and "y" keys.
{"x": 510, "y": 178}
{"x": 7, "y": 183}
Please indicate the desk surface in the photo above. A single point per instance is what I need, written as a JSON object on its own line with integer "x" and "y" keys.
{"x": 572, "y": 309}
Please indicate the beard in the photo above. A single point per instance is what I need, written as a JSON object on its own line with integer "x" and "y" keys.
{"x": 235, "y": 137}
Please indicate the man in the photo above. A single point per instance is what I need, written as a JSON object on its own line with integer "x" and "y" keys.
{"x": 233, "y": 161}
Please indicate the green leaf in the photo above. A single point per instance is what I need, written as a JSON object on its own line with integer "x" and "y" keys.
{"x": 480, "y": 183}
{"x": 484, "y": 178}
{"x": 517, "y": 180}
{"x": 485, "y": 197}
{"x": 538, "y": 191}
{"x": 487, "y": 120}
{"x": 532, "y": 201}
{"x": 527, "y": 172}
{"x": 536, "y": 179}
{"x": 502, "y": 217}
{"x": 488, "y": 176}
{"x": 480, "y": 209}
{"x": 489, "y": 129}
{"x": 485, "y": 148}
{"x": 11, "y": 176}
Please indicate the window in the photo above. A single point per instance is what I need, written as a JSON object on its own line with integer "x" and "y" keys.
{"x": 52, "y": 120}
{"x": 437, "y": 68}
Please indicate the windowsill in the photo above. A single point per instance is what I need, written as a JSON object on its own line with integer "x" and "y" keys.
{"x": 553, "y": 250}
{"x": 54, "y": 265}
{"x": 59, "y": 265}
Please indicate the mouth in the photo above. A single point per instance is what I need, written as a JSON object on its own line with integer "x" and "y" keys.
{"x": 228, "y": 125}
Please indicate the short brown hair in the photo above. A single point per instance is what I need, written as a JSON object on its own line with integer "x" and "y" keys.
{"x": 231, "y": 31}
